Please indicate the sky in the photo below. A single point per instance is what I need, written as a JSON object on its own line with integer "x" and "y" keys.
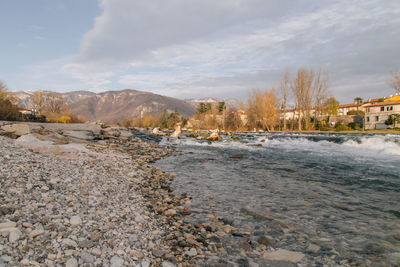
{"x": 198, "y": 48}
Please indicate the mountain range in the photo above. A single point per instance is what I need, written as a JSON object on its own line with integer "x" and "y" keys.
{"x": 113, "y": 106}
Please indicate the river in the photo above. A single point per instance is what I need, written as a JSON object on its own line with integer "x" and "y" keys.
{"x": 333, "y": 197}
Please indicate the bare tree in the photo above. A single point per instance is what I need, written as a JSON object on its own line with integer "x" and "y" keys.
{"x": 394, "y": 81}
{"x": 232, "y": 120}
{"x": 38, "y": 101}
{"x": 262, "y": 109}
{"x": 310, "y": 90}
{"x": 55, "y": 103}
{"x": 284, "y": 88}
{"x": 302, "y": 87}
{"x": 321, "y": 85}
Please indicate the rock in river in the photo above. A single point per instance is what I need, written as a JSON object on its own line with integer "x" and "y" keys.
{"x": 284, "y": 255}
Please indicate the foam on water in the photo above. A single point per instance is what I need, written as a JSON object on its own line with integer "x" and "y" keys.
{"x": 365, "y": 146}
{"x": 340, "y": 188}
{"x": 376, "y": 145}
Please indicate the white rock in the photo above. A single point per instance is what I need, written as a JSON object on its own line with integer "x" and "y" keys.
{"x": 85, "y": 135}
{"x": 69, "y": 252}
{"x": 157, "y": 131}
{"x": 30, "y": 140}
{"x": 145, "y": 263}
{"x": 126, "y": 134}
{"x": 96, "y": 252}
{"x": 14, "y": 235}
{"x": 283, "y": 255}
{"x": 17, "y": 129}
{"x": 51, "y": 256}
{"x": 177, "y": 132}
{"x": 192, "y": 252}
{"x": 87, "y": 258}
{"x": 139, "y": 219}
{"x": 167, "y": 264}
{"x": 313, "y": 248}
{"x": 170, "y": 212}
{"x": 5, "y": 231}
{"x": 111, "y": 132}
{"x": 71, "y": 262}
{"x": 7, "y": 225}
{"x": 116, "y": 261}
{"x": 394, "y": 258}
{"x": 75, "y": 220}
{"x": 36, "y": 233}
{"x": 69, "y": 242}
{"x": 214, "y": 137}
{"x": 24, "y": 262}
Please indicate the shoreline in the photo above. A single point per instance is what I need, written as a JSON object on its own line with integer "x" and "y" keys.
{"x": 67, "y": 199}
{"x": 75, "y": 208}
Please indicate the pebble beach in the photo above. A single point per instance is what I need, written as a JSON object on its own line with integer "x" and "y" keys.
{"x": 69, "y": 200}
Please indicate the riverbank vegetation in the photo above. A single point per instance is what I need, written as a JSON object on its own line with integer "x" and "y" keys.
{"x": 301, "y": 102}
{"x": 45, "y": 107}
{"x": 8, "y": 110}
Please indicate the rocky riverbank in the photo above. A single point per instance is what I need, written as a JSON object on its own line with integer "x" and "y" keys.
{"x": 79, "y": 207}
{"x": 75, "y": 197}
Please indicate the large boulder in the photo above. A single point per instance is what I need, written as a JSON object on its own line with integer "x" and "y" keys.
{"x": 157, "y": 131}
{"x": 84, "y": 135}
{"x": 177, "y": 132}
{"x": 214, "y": 137}
{"x": 16, "y": 129}
{"x": 110, "y": 132}
{"x": 125, "y": 134}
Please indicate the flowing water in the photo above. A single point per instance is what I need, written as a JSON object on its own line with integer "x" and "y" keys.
{"x": 333, "y": 197}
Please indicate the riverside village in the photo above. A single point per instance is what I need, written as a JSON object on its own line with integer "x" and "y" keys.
{"x": 246, "y": 133}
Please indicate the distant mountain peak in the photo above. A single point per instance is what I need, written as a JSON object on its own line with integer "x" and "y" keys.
{"x": 111, "y": 106}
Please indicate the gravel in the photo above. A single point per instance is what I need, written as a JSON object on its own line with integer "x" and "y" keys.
{"x": 74, "y": 208}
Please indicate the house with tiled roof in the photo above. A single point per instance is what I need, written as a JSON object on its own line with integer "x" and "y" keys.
{"x": 376, "y": 114}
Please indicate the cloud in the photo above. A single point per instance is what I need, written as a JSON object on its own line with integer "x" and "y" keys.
{"x": 198, "y": 48}
{"x": 128, "y": 30}
{"x": 95, "y": 79}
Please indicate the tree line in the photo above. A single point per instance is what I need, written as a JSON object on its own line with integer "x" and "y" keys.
{"x": 49, "y": 106}
{"x": 305, "y": 95}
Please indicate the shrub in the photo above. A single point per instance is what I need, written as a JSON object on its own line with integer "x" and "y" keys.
{"x": 341, "y": 127}
{"x": 354, "y": 126}
{"x": 8, "y": 111}
{"x": 64, "y": 119}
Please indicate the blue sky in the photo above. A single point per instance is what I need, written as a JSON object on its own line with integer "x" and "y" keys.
{"x": 197, "y": 48}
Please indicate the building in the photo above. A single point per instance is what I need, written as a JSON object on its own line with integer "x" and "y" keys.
{"x": 373, "y": 113}
{"x": 28, "y": 112}
{"x": 376, "y": 114}
{"x": 343, "y": 109}
{"x": 377, "y": 111}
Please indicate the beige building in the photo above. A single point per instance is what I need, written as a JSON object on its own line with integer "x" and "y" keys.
{"x": 377, "y": 113}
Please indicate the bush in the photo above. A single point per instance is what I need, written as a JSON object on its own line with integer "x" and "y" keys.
{"x": 354, "y": 126}
{"x": 340, "y": 128}
{"x": 64, "y": 119}
{"x": 8, "y": 111}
